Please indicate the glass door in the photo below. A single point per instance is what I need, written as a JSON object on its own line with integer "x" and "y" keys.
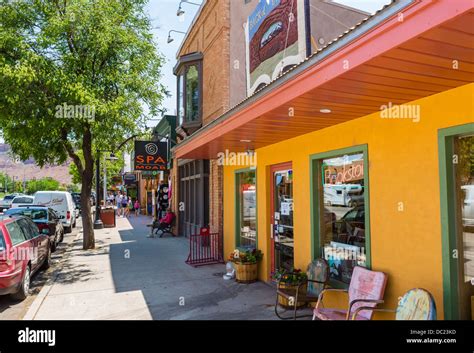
{"x": 464, "y": 211}
{"x": 282, "y": 218}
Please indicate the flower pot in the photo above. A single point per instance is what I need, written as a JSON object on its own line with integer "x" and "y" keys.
{"x": 246, "y": 272}
{"x": 284, "y": 303}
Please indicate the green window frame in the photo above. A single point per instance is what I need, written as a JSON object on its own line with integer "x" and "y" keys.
{"x": 448, "y": 217}
{"x": 315, "y": 203}
{"x": 238, "y": 174}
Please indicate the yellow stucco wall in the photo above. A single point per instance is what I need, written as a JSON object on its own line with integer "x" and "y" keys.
{"x": 403, "y": 167}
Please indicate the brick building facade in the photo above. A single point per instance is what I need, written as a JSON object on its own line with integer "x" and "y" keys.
{"x": 197, "y": 187}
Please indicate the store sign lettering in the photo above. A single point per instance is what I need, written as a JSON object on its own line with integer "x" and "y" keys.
{"x": 150, "y": 156}
{"x": 354, "y": 172}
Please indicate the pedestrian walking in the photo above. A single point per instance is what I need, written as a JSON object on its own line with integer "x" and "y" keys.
{"x": 124, "y": 205}
{"x": 118, "y": 203}
{"x": 137, "y": 208}
{"x": 130, "y": 207}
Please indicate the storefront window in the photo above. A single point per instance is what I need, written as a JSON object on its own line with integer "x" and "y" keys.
{"x": 464, "y": 199}
{"x": 192, "y": 93}
{"x": 181, "y": 99}
{"x": 342, "y": 214}
{"x": 247, "y": 209}
{"x": 189, "y": 91}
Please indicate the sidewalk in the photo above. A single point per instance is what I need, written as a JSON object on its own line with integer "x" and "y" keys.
{"x": 131, "y": 277}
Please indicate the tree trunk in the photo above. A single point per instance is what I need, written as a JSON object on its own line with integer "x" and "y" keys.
{"x": 87, "y": 223}
{"x": 87, "y": 177}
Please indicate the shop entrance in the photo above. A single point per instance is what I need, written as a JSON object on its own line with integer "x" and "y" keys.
{"x": 457, "y": 184}
{"x": 282, "y": 243}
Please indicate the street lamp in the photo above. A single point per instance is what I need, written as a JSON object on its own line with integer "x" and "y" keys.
{"x": 171, "y": 39}
{"x": 180, "y": 11}
{"x": 111, "y": 158}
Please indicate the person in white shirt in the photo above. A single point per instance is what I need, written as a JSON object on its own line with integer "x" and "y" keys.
{"x": 118, "y": 202}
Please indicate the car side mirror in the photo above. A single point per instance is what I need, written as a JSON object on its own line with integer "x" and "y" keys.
{"x": 45, "y": 231}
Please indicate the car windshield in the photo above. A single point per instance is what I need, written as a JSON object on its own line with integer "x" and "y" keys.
{"x": 34, "y": 214}
{"x": 9, "y": 197}
{"x": 23, "y": 200}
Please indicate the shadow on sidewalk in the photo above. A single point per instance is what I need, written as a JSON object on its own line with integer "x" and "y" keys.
{"x": 175, "y": 290}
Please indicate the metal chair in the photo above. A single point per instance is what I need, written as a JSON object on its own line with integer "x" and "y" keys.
{"x": 416, "y": 304}
{"x": 366, "y": 291}
{"x": 317, "y": 278}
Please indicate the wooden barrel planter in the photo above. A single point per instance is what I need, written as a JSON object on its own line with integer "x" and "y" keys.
{"x": 246, "y": 272}
{"x": 284, "y": 303}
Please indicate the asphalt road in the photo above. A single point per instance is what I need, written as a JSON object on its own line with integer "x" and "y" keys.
{"x": 11, "y": 309}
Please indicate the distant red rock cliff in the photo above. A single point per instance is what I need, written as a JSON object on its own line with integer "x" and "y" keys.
{"x": 29, "y": 170}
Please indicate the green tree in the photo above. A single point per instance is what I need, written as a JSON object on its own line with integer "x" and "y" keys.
{"x": 44, "y": 184}
{"x": 76, "y": 75}
{"x": 113, "y": 169}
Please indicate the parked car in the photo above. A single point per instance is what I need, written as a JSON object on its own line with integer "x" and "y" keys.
{"x": 93, "y": 198}
{"x": 22, "y": 200}
{"x": 7, "y": 201}
{"x": 62, "y": 203}
{"x": 77, "y": 200}
{"x": 23, "y": 251}
{"x": 44, "y": 218}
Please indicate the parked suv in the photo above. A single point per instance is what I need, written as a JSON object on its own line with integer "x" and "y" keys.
{"x": 7, "y": 201}
{"x": 45, "y": 219}
{"x": 23, "y": 251}
{"x": 62, "y": 203}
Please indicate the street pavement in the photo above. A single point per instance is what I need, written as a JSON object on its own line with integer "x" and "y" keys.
{"x": 131, "y": 277}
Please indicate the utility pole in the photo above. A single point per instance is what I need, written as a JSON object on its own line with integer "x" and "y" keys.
{"x": 98, "y": 222}
{"x": 105, "y": 181}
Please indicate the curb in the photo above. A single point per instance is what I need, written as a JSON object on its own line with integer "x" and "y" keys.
{"x": 36, "y": 305}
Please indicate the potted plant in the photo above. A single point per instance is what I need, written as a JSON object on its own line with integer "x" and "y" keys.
{"x": 245, "y": 264}
{"x": 292, "y": 280}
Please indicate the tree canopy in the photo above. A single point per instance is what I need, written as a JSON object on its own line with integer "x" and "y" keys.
{"x": 76, "y": 75}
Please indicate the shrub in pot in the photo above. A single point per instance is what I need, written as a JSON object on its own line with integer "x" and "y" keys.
{"x": 246, "y": 265}
{"x": 293, "y": 279}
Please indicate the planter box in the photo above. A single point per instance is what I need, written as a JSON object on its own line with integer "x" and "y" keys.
{"x": 246, "y": 272}
{"x": 283, "y": 302}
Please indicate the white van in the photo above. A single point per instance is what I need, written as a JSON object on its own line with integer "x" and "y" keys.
{"x": 62, "y": 203}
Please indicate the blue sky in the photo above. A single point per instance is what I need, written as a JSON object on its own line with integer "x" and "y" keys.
{"x": 163, "y": 13}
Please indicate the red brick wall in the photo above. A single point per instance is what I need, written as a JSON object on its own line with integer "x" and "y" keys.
{"x": 210, "y": 35}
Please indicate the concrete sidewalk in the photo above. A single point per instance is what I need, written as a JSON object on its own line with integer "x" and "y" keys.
{"x": 129, "y": 276}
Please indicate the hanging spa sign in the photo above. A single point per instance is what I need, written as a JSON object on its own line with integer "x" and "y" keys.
{"x": 150, "y": 156}
{"x": 275, "y": 40}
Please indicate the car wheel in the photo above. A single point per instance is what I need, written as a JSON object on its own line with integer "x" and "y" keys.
{"x": 47, "y": 260}
{"x": 24, "y": 289}
{"x": 67, "y": 230}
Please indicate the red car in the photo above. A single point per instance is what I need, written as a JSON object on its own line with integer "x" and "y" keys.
{"x": 23, "y": 251}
